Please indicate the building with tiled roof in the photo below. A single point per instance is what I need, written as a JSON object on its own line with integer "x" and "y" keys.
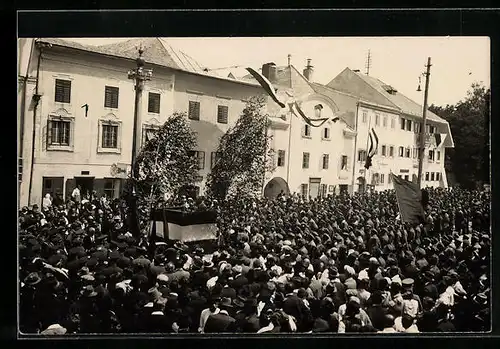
{"x": 78, "y": 145}
{"x": 397, "y": 120}
{"x": 84, "y": 119}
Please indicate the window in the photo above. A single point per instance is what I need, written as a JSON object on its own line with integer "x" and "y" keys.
{"x": 401, "y": 151}
{"x": 200, "y": 155}
{"x": 432, "y": 129}
{"x": 393, "y": 122}
{"x": 326, "y": 158}
{"x": 403, "y": 123}
{"x": 407, "y": 177}
{"x": 407, "y": 152}
{"x": 303, "y": 190}
{"x": 432, "y": 176}
{"x": 52, "y": 186}
{"x": 148, "y": 133}
{"x": 427, "y": 128}
{"x": 154, "y": 103}
{"x": 111, "y": 97}
{"x": 63, "y": 91}
{"x": 222, "y": 111}
{"x": 58, "y": 132}
{"x": 427, "y": 176}
{"x": 408, "y": 125}
{"x": 437, "y": 176}
{"x": 324, "y": 189}
{"x": 389, "y": 178}
{"x": 438, "y": 155}
{"x": 377, "y": 119}
{"x": 281, "y": 158}
{"x": 326, "y": 133}
{"x": 214, "y": 156}
{"x": 391, "y": 151}
{"x": 361, "y": 155}
{"x": 307, "y": 131}
{"x": 431, "y": 155}
{"x": 194, "y": 110}
{"x": 415, "y": 153}
{"x": 305, "y": 160}
{"x": 109, "y": 188}
{"x": 365, "y": 117}
{"x": 382, "y": 178}
{"x": 110, "y": 136}
{"x": 416, "y": 127}
{"x": 384, "y": 150}
{"x": 343, "y": 163}
{"x": 385, "y": 121}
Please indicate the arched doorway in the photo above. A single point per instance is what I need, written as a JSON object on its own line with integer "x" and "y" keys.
{"x": 274, "y": 187}
{"x": 361, "y": 184}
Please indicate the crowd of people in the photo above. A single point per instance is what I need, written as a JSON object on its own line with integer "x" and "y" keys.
{"x": 339, "y": 264}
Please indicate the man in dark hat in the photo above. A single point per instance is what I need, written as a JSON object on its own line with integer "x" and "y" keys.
{"x": 222, "y": 321}
{"x": 247, "y": 320}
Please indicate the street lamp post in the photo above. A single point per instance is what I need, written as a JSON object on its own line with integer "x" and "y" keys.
{"x": 140, "y": 76}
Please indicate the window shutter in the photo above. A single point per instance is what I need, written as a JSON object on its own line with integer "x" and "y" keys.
{"x": 194, "y": 110}
{"x": 63, "y": 91}
{"x": 222, "y": 114}
{"x": 154, "y": 103}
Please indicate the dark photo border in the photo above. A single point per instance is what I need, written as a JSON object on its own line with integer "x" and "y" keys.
{"x": 194, "y": 23}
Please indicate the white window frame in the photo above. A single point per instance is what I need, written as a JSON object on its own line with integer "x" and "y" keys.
{"x": 364, "y": 116}
{"x": 323, "y": 134}
{"x": 111, "y": 122}
{"x": 145, "y": 128}
{"x": 67, "y": 118}
{"x": 278, "y": 157}
{"x": 327, "y": 157}
{"x": 159, "y": 93}
{"x": 346, "y": 163}
{"x": 308, "y": 160}
{"x": 63, "y": 104}
{"x": 304, "y": 133}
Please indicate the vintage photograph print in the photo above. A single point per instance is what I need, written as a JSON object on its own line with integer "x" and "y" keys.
{"x": 253, "y": 185}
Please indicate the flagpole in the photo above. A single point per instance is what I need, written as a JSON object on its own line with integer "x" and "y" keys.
{"x": 424, "y": 119}
{"x": 366, "y": 154}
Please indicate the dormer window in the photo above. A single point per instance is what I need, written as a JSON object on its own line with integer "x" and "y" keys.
{"x": 317, "y": 110}
{"x": 390, "y": 90}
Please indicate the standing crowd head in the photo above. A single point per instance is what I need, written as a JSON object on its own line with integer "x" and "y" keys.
{"x": 337, "y": 264}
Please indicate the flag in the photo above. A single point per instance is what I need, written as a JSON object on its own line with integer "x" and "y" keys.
{"x": 373, "y": 138}
{"x": 295, "y": 109}
{"x": 409, "y": 198}
{"x": 266, "y": 85}
{"x": 440, "y": 137}
{"x": 174, "y": 224}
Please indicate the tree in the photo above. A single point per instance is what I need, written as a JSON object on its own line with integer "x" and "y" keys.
{"x": 469, "y": 124}
{"x": 243, "y": 155}
{"x": 165, "y": 164}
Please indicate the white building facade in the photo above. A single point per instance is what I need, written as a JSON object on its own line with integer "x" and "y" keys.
{"x": 80, "y": 131}
{"x": 75, "y": 146}
{"x": 397, "y": 121}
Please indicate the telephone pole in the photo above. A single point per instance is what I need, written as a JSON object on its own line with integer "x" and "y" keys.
{"x": 422, "y": 130}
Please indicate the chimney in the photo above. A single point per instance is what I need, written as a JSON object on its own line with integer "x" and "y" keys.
{"x": 269, "y": 71}
{"x": 289, "y": 59}
{"x": 308, "y": 72}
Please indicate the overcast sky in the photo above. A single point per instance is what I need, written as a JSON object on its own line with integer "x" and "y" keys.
{"x": 457, "y": 62}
